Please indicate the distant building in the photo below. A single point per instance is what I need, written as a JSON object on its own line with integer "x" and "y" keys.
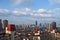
{"x": 0, "y": 25}
{"x": 36, "y": 33}
{"x": 53, "y": 25}
{"x": 40, "y": 25}
{"x": 52, "y": 30}
{"x": 5, "y": 23}
{"x": 10, "y": 27}
{"x": 36, "y": 23}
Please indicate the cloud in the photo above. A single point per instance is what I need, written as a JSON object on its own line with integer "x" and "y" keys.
{"x": 54, "y": 1}
{"x": 19, "y": 12}
{"x": 31, "y": 12}
{"x": 21, "y": 2}
{"x": 4, "y": 12}
{"x": 15, "y": 2}
{"x": 25, "y": 11}
{"x": 41, "y": 10}
{"x": 42, "y": 15}
{"x": 56, "y": 12}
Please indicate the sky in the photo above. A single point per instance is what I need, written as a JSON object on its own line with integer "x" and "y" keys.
{"x": 28, "y": 11}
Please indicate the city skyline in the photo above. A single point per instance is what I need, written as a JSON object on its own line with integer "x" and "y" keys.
{"x": 28, "y": 11}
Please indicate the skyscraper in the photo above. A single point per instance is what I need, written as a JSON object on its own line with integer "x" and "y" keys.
{"x": 53, "y": 25}
{"x": 0, "y": 25}
{"x": 5, "y": 23}
{"x": 36, "y": 22}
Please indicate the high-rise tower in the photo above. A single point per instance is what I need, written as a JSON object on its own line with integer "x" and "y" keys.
{"x": 36, "y": 23}
{"x": 0, "y": 25}
{"x": 53, "y": 25}
{"x": 5, "y": 23}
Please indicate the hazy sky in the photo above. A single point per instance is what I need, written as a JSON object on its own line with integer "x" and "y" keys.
{"x": 27, "y": 11}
